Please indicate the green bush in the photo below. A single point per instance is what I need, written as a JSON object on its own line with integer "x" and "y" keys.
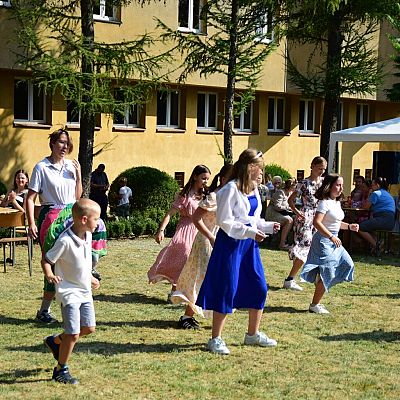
{"x": 275, "y": 169}
{"x": 3, "y": 189}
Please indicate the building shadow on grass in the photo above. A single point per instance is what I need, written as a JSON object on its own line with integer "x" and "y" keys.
{"x": 373, "y": 336}
{"x": 20, "y": 376}
{"x": 282, "y": 309}
{"x": 109, "y": 348}
{"x": 388, "y": 295}
{"x": 130, "y": 298}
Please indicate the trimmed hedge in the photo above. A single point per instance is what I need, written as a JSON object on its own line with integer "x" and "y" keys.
{"x": 275, "y": 169}
{"x": 153, "y": 192}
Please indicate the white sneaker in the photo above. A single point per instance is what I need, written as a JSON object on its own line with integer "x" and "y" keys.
{"x": 318, "y": 309}
{"x": 217, "y": 346}
{"x": 259, "y": 339}
{"x": 292, "y": 285}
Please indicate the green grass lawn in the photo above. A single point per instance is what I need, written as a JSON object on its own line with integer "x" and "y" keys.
{"x": 137, "y": 352}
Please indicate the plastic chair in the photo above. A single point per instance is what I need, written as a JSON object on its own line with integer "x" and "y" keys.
{"x": 15, "y": 220}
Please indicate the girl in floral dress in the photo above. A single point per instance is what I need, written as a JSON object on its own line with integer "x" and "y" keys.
{"x": 193, "y": 273}
{"x": 303, "y": 224}
{"x": 173, "y": 257}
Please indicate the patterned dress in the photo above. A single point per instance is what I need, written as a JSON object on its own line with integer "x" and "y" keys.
{"x": 304, "y": 230}
{"x": 173, "y": 257}
{"x": 192, "y": 275}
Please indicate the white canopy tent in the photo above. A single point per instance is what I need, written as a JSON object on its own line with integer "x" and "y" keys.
{"x": 382, "y": 131}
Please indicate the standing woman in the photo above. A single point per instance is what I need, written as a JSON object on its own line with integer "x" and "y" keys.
{"x": 328, "y": 263}
{"x": 303, "y": 223}
{"x": 58, "y": 183}
{"x": 192, "y": 275}
{"x": 235, "y": 275}
{"x": 172, "y": 258}
{"x": 15, "y": 197}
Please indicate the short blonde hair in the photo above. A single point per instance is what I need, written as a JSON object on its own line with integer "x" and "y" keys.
{"x": 84, "y": 208}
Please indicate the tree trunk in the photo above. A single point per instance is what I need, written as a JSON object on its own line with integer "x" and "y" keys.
{"x": 333, "y": 90}
{"x": 230, "y": 86}
{"x": 87, "y": 119}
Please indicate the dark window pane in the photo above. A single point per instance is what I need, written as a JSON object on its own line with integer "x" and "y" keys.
{"x": 161, "y": 108}
{"x": 196, "y": 14}
{"x": 247, "y": 118}
{"x": 301, "y": 115}
{"x": 365, "y": 114}
{"x": 96, "y": 7}
{"x": 21, "y": 100}
{"x": 38, "y": 103}
{"x": 358, "y": 115}
{"x": 183, "y": 13}
{"x": 133, "y": 115}
{"x": 174, "y": 115}
{"x": 212, "y": 110}
{"x": 236, "y": 123}
{"x": 201, "y": 109}
{"x": 280, "y": 114}
{"x": 271, "y": 113}
{"x": 310, "y": 116}
{"x": 73, "y": 112}
{"x": 109, "y": 9}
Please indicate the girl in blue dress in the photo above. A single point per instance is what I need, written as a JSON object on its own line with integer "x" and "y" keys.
{"x": 328, "y": 263}
{"x": 235, "y": 275}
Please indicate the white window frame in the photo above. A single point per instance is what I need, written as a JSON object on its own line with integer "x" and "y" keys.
{"x": 168, "y": 110}
{"x": 30, "y": 104}
{"x": 207, "y": 111}
{"x": 190, "y": 28}
{"x": 265, "y": 29}
{"x": 362, "y": 119}
{"x": 126, "y": 123}
{"x": 102, "y": 16}
{"x": 306, "y": 105}
{"x": 241, "y": 120}
{"x": 5, "y": 3}
{"x": 275, "y": 129}
{"x": 73, "y": 122}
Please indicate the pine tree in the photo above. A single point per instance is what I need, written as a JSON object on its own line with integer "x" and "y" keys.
{"x": 58, "y": 45}
{"x": 393, "y": 93}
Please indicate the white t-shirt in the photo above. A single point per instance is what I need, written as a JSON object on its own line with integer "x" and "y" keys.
{"x": 72, "y": 260}
{"x": 126, "y": 193}
{"x": 55, "y": 184}
{"x": 333, "y": 214}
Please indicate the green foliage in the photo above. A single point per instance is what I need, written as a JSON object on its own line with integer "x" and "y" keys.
{"x": 153, "y": 193}
{"x": 275, "y": 169}
{"x": 3, "y": 188}
{"x": 393, "y": 93}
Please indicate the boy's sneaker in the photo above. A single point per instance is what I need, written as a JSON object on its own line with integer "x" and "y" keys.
{"x": 45, "y": 317}
{"x": 292, "y": 285}
{"x": 63, "y": 376}
{"x": 217, "y": 346}
{"x": 259, "y": 339}
{"x": 188, "y": 323}
{"x": 52, "y": 346}
{"x": 318, "y": 309}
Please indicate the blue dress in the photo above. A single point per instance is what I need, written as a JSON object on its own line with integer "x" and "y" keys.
{"x": 235, "y": 274}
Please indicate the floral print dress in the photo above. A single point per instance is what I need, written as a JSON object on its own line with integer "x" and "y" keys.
{"x": 192, "y": 275}
{"x": 304, "y": 229}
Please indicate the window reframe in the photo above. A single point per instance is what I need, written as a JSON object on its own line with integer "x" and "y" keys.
{"x": 207, "y": 111}
{"x": 168, "y": 109}
{"x": 305, "y": 117}
{"x": 31, "y": 103}
{"x": 275, "y": 118}
{"x": 190, "y": 13}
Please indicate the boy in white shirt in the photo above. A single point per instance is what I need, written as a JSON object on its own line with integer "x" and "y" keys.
{"x": 71, "y": 259}
{"x": 125, "y": 194}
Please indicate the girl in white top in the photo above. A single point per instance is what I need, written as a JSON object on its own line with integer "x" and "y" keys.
{"x": 15, "y": 197}
{"x": 328, "y": 263}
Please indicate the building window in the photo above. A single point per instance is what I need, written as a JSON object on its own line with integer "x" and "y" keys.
{"x": 306, "y": 115}
{"x": 105, "y": 10}
{"x": 29, "y": 101}
{"x": 180, "y": 178}
{"x": 244, "y": 121}
{"x": 5, "y": 3}
{"x": 168, "y": 109}
{"x": 276, "y": 114}
{"x": 128, "y": 115}
{"x": 368, "y": 174}
{"x": 207, "y": 110}
{"x": 265, "y": 29}
{"x": 73, "y": 112}
{"x": 356, "y": 173}
{"x": 362, "y": 114}
{"x": 300, "y": 175}
{"x": 189, "y": 16}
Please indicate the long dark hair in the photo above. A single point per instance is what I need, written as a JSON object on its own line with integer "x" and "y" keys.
{"x": 224, "y": 172}
{"x": 20, "y": 171}
{"x": 197, "y": 170}
{"x": 324, "y": 192}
